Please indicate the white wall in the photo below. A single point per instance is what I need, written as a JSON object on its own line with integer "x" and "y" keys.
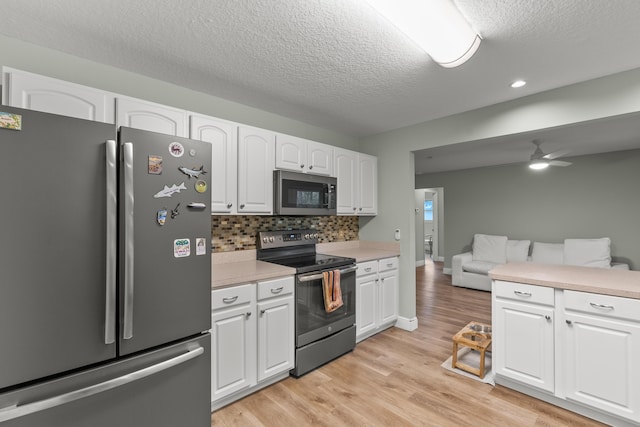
{"x": 599, "y": 98}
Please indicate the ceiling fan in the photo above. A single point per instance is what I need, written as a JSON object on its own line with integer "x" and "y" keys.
{"x": 540, "y": 160}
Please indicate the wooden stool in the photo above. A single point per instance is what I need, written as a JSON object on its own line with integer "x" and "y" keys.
{"x": 476, "y": 336}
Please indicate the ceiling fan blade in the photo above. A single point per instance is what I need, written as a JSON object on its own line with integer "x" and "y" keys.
{"x": 556, "y": 154}
{"x": 559, "y": 163}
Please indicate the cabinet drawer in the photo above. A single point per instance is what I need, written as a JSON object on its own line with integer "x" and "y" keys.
{"x": 388, "y": 264}
{"x": 523, "y": 292}
{"x": 275, "y": 288}
{"x": 603, "y": 305}
{"x": 230, "y": 297}
{"x": 369, "y": 267}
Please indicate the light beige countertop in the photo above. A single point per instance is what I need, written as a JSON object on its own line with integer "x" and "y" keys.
{"x": 621, "y": 283}
{"x": 361, "y": 250}
{"x": 235, "y": 268}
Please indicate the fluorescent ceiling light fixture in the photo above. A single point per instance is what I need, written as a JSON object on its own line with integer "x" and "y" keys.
{"x": 518, "y": 83}
{"x": 538, "y": 164}
{"x": 437, "y": 26}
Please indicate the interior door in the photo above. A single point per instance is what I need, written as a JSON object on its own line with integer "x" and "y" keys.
{"x": 52, "y": 256}
{"x": 165, "y": 224}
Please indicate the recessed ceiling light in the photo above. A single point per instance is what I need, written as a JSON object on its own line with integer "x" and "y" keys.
{"x": 518, "y": 83}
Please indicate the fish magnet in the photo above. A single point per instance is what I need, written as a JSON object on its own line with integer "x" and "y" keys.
{"x": 176, "y": 149}
{"x": 155, "y": 165}
{"x": 192, "y": 172}
{"x": 161, "y": 216}
{"x": 201, "y": 186}
{"x": 169, "y": 191}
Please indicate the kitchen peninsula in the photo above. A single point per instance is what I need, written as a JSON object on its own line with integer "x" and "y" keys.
{"x": 570, "y": 336}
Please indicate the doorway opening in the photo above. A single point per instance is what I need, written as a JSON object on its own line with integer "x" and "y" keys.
{"x": 429, "y": 224}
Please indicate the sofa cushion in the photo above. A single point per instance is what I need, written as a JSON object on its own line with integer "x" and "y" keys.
{"x": 517, "y": 250}
{"x": 479, "y": 267}
{"x": 547, "y": 253}
{"x": 490, "y": 248}
{"x": 588, "y": 252}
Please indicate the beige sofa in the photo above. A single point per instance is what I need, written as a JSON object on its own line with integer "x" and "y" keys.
{"x": 471, "y": 269}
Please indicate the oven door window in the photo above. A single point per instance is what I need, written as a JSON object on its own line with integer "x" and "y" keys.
{"x": 312, "y": 320}
{"x": 301, "y": 194}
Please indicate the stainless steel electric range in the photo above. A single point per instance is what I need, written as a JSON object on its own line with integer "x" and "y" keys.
{"x": 320, "y": 336}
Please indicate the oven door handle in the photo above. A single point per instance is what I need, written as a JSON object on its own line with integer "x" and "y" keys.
{"x": 310, "y": 277}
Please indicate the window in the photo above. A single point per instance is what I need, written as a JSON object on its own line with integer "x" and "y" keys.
{"x": 428, "y": 210}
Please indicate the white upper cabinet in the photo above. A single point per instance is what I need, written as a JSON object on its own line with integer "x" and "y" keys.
{"x": 139, "y": 114}
{"x": 301, "y": 155}
{"x": 35, "y": 92}
{"x": 223, "y": 178}
{"x": 256, "y": 162}
{"x": 357, "y": 175}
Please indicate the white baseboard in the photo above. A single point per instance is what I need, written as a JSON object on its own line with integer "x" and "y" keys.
{"x": 439, "y": 259}
{"x": 407, "y": 324}
{"x": 419, "y": 263}
{"x": 446, "y": 270}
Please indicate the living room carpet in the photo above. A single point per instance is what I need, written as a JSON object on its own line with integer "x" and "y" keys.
{"x": 472, "y": 358}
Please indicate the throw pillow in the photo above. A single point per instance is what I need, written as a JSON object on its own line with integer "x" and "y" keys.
{"x": 588, "y": 252}
{"x": 517, "y": 250}
{"x": 547, "y": 253}
{"x": 490, "y": 248}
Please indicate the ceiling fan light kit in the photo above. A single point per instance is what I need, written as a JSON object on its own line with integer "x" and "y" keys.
{"x": 538, "y": 164}
{"x": 539, "y": 160}
{"x": 437, "y": 26}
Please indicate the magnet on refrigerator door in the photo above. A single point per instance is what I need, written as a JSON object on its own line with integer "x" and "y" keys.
{"x": 161, "y": 216}
{"x": 176, "y": 149}
{"x": 181, "y": 248}
{"x": 168, "y": 191}
{"x": 201, "y": 186}
{"x": 175, "y": 212}
{"x": 201, "y": 246}
{"x": 192, "y": 172}
{"x": 155, "y": 165}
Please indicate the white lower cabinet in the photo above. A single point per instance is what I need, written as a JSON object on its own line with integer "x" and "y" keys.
{"x": 376, "y": 296}
{"x": 592, "y": 340}
{"x": 602, "y": 342}
{"x": 252, "y": 335}
{"x": 523, "y": 334}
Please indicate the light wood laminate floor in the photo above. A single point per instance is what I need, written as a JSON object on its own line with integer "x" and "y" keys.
{"x": 395, "y": 379}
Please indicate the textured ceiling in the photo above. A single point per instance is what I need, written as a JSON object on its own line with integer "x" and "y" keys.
{"x": 335, "y": 63}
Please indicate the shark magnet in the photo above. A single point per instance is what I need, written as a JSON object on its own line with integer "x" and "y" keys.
{"x": 192, "y": 172}
{"x": 169, "y": 191}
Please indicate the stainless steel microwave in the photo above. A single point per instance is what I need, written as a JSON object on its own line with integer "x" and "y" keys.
{"x": 302, "y": 194}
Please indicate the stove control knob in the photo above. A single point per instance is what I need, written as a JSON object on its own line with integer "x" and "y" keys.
{"x": 306, "y": 237}
{"x": 271, "y": 239}
{"x": 265, "y": 239}
{"x": 315, "y": 235}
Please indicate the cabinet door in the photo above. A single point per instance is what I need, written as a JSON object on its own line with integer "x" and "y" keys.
{"x": 368, "y": 185}
{"x": 601, "y": 363}
{"x": 256, "y": 163}
{"x": 223, "y": 177}
{"x": 366, "y": 304}
{"x": 345, "y": 168}
{"x": 135, "y": 113}
{"x": 233, "y": 350}
{"x": 275, "y": 336}
{"x": 291, "y": 153}
{"x": 34, "y": 92}
{"x": 319, "y": 158}
{"x": 523, "y": 346}
{"x": 388, "y": 297}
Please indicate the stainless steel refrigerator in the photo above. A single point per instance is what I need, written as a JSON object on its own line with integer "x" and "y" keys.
{"x": 105, "y": 271}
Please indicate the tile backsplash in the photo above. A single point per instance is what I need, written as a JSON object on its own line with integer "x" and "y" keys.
{"x": 238, "y": 232}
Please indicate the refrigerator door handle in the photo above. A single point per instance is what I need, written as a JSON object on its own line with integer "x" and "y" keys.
{"x": 11, "y": 413}
{"x": 128, "y": 240}
{"x": 112, "y": 243}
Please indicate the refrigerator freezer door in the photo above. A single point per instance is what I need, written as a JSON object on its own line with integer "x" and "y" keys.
{"x": 164, "y": 388}
{"x": 53, "y": 246}
{"x": 165, "y": 276}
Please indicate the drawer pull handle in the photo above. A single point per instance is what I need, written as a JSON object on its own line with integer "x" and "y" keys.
{"x": 277, "y": 290}
{"x": 229, "y": 300}
{"x": 390, "y": 265}
{"x": 368, "y": 269}
{"x": 522, "y": 294}
{"x": 601, "y": 306}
